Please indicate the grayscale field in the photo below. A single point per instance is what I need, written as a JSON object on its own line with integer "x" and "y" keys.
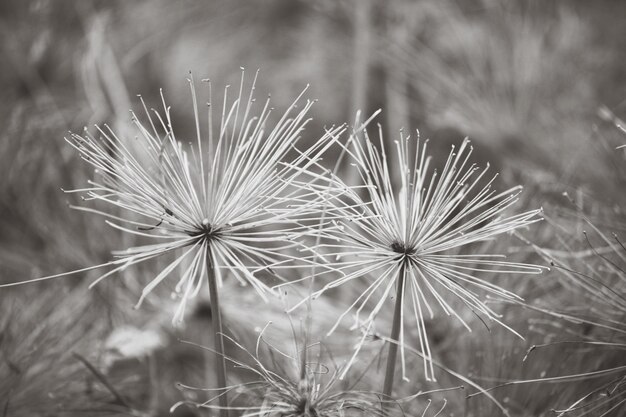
{"x": 287, "y": 208}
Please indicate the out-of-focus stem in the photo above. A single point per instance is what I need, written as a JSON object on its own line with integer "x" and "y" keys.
{"x": 362, "y": 51}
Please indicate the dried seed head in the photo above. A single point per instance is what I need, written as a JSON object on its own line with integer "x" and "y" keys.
{"x": 238, "y": 183}
{"x": 428, "y": 219}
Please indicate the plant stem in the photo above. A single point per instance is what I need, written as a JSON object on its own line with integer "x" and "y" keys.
{"x": 395, "y": 332}
{"x": 103, "y": 379}
{"x": 218, "y": 337}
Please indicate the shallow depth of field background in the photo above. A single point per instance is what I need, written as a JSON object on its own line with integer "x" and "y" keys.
{"x": 536, "y": 86}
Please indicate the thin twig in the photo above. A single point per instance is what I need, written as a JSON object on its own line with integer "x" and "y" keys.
{"x": 103, "y": 379}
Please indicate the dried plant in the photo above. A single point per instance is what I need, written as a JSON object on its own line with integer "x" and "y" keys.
{"x": 510, "y": 59}
{"x": 280, "y": 388}
{"x": 46, "y": 353}
{"x": 236, "y": 203}
{"x": 591, "y": 308}
{"x": 406, "y": 237}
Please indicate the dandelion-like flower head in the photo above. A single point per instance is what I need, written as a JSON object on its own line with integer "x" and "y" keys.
{"x": 231, "y": 202}
{"x": 411, "y": 236}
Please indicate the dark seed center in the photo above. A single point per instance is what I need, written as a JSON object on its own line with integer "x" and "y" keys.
{"x": 399, "y": 247}
{"x": 205, "y": 229}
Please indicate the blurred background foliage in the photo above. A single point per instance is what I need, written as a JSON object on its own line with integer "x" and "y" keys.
{"x": 537, "y": 86}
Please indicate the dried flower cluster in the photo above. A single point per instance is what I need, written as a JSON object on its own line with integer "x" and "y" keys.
{"x": 245, "y": 200}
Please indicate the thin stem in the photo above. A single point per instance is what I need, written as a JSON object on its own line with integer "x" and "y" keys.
{"x": 303, "y": 356}
{"x": 309, "y": 305}
{"x": 155, "y": 385}
{"x": 218, "y": 336}
{"x": 395, "y": 333}
{"x": 103, "y": 379}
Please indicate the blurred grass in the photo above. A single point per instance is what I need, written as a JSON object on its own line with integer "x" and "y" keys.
{"x": 523, "y": 79}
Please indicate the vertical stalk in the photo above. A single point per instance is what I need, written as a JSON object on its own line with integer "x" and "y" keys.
{"x": 395, "y": 333}
{"x": 362, "y": 26}
{"x": 363, "y": 39}
{"x": 155, "y": 385}
{"x": 307, "y": 329}
{"x": 218, "y": 337}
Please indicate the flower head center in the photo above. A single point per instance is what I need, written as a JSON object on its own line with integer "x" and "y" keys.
{"x": 206, "y": 230}
{"x": 400, "y": 247}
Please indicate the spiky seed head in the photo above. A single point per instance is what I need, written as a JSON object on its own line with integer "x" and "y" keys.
{"x": 239, "y": 195}
{"x": 423, "y": 226}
